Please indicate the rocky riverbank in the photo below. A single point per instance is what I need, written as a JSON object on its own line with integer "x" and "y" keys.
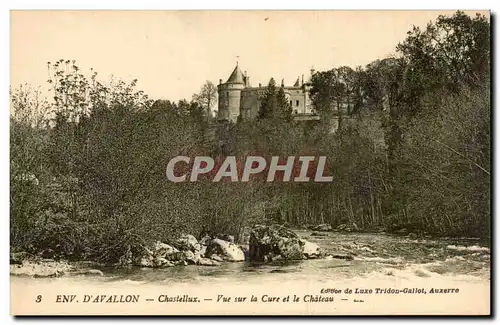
{"x": 47, "y": 268}
{"x": 274, "y": 245}
{"x": 263, "y": 244}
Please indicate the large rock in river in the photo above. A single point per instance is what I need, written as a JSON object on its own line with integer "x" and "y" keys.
{"x": 323, "y": 227}
{"x": 146, "y": 261}
{"x": 348, "y": 227}
{"x": 311, "y": 250}
{"x": 158, "y": 255}
{"x": 190, "y": 257}
{"x": 228, "y": 251}
{"x": 188, "y": 242}
{"x": 18, "y": 258}
{"x": 160, "y": 249}
{"x": 268, "y": 242}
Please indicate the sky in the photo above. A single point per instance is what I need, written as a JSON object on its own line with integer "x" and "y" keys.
{"x": 172, "y": 53}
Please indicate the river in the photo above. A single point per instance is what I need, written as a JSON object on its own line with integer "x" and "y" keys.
{"x": 380, "y": 261}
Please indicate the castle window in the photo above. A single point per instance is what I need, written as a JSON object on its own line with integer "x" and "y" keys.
{"x": 291, "y": 103}
{"x": 297, "y": 103}
{"x": 227, "y": 93}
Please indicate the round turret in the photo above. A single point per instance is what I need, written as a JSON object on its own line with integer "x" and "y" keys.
{"x": 230, "y": 95}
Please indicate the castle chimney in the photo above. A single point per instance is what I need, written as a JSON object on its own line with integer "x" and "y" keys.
{"x": 282, "y": 82}
{"x": 220, "y": 81}
{"x": 302, "y": 79}
{"x": 260, "y": 85}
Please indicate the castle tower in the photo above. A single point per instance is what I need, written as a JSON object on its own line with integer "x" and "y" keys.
{"x": 230, "y": 95}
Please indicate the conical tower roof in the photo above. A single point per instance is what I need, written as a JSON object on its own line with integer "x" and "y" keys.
{"x": 236, "y": 77}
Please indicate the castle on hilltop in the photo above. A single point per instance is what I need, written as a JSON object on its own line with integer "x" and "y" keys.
{"x": 237, "y": 97}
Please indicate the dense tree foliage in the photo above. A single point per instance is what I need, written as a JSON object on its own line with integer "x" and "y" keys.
{"x": 412, "y": 150}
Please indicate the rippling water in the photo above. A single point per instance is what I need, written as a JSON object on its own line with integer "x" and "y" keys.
{"x": 373, "y": 253}
{"x": 380, "y": 261}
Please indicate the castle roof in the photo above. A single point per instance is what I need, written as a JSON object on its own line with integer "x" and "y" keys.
{"x": 236, "y": 77}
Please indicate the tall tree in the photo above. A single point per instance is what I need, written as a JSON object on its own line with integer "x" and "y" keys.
{"x": 283, "y": 108}
{"x": 268, "y": 100}
{"x": 274, "y": 104}
{"x": 347, "y": 77}
{"x": 207, "y": 97}
{"x": 323, "y": 92}
{"x": 331, "y": 90}
{"x": 450, "y": 52}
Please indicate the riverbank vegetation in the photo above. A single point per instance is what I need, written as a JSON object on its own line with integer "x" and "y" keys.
{"x": 411, "y": 151}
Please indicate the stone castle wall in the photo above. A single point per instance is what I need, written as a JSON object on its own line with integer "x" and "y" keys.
{"x": 238, "y": 98}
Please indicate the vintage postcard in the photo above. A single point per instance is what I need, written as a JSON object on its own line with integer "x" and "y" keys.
{"x": 250, "y": 163}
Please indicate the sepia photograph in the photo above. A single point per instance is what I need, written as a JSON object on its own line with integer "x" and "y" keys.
{"x": 250, "y": 162}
